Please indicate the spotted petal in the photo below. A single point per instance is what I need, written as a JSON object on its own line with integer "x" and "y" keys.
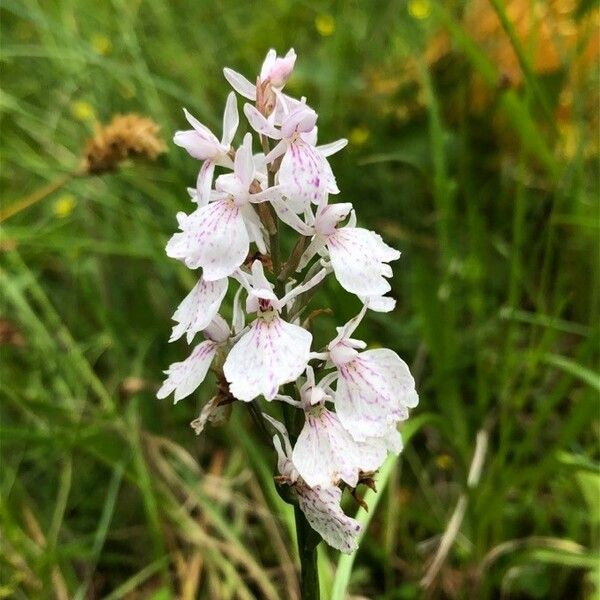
{"x": 325, "y": 452}
{"x": 305, "y": 175}
{"x": 374, "y": 391}
{"x": 359, "y": 259}
{"x": 270, "y": 354}
{"x": 184, "y": 377}
{"x": 321, "y": 506}
{"x": 213, "y": 237}
{"x": 198, "y": 308}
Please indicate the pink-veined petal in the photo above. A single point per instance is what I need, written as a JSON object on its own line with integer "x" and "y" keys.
{"x": 374, "y": 390}
{"x": 310, "y": 137}
{"x": 198, "y": 308}
{"x": 326, "y": 453}
{"x": 393, "y": 441}
{"x": 304, "y": 173}
{"x": 254, "y": 227}
{"x": 332, "y": 187}
{"x": 397, "y": 374}
{"x": 284, "y": 106}
{"x": 270, "y": 354}
{"x": 322, "y": 509}
{"x": 301, "y": 120}
{"x": 214, "y": 237}
{"x": 357, "y": 259}
{"x": 330, "y": 215}
{"x": 240, "y": 84}
{"x": 184, "y": 377}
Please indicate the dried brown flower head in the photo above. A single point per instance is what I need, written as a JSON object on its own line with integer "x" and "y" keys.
{"x": 125, "y": 136}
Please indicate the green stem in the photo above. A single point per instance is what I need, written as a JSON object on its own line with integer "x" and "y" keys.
{"x": 307, "y": 549}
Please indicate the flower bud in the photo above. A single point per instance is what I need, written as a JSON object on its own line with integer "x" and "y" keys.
{"x": 282, "y": 69}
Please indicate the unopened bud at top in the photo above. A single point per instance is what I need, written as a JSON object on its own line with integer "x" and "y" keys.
{"x": 277, "y": 70}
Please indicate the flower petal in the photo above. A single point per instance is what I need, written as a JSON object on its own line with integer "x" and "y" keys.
{"x": 244, "y": 162}
{"x": 184, "y": 377}
{"x": 325, "y": 452}
{"x": 202, "y": 129}
{"x": 204, "y": 182}
{"x": 321, "y": 506}
{"x": 260, "y": 123}
{"x": 268, "y": 63}
{"x": 333, "y": 147}
{"x": 198, "y": 308}
{"x": 231, "y": 120}
{"x": 374, "y": 390}
{"x": 379, "y": 303}
{"x": 214, "y": 237}
{"x": 289, "y": 216}
{"x": 240, "y": 84}
{"x": 270, "y": 354}
{"x": 357, "y": 257}
{"x": 281, "y": 69}
{"x": 196, "y": 145}
{"x": 304, "y": 174}
{"x": 397, "y": 373}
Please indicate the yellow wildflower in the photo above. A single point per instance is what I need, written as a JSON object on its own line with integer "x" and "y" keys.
{"x": 83, "y": 111}
{"x": 325, "y": 25}
{"x": 419, "y": 9}
{"x": 64, "y": 205}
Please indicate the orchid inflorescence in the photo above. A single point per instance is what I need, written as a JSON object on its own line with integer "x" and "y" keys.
{"x": 352, "y": 399}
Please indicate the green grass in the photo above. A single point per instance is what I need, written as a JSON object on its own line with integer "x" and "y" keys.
{"x": 105, "y": 492}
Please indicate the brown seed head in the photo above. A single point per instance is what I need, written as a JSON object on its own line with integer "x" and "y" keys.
{"x": 125, "y": 136}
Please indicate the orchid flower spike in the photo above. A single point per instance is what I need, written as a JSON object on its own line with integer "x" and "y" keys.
{"x": 202, "y": 144}
{"x": 351, "y": 399}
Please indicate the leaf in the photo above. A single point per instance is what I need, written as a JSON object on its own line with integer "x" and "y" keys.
{"x": 569, "y": 366}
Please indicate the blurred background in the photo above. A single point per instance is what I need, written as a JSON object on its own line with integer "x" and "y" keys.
{"x": 473, "y": 130}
